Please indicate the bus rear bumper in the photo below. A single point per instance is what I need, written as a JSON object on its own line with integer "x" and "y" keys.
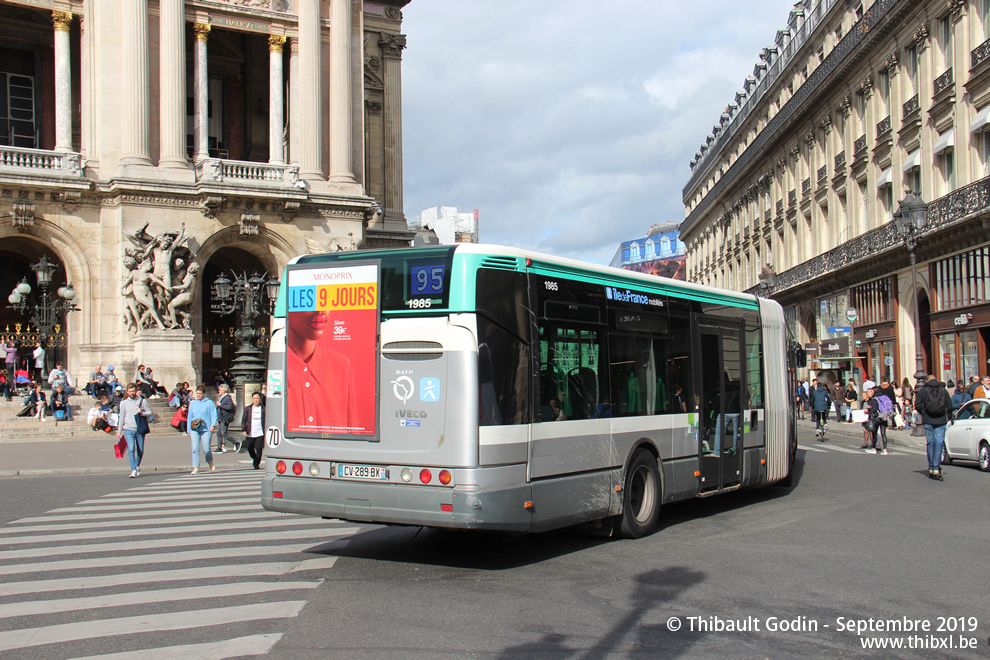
{"x": 472, "y": 507}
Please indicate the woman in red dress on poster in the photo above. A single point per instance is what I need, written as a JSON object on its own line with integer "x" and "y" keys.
{"x": 321, "y": 389}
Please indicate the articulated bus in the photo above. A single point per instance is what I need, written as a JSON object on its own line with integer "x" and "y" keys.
{"x": 491, "y": 388}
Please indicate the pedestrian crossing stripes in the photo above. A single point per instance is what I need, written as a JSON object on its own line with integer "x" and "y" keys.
{"x": 174, "y": 567}
{"x": 825, "y": 447}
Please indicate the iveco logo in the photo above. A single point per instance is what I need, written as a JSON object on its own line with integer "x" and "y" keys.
{"x": 411, "y": 414}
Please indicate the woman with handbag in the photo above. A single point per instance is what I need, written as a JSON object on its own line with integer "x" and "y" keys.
{"x": 132, "y": 425}
{"x": 202, "y": 422}
{"x": 60, "y": 405}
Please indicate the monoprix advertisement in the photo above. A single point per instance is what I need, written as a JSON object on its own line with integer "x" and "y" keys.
{"x": 331, "y": 329}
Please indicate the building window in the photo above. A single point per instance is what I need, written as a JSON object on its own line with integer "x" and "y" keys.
{"x": 985, "y": 18}
{"x": 911, "y": 69}
{"x": 17, "y": 111}
{"x": 946, "y": 168}
{"x": 649, "y": 249}
{"x": 634, "y": 252}
{"x": 884, "y": 89}
{"x": 860, "y": 100}
{"x": 985, "y": 143}
{"x": 945, "y": 41}
{"x": 963, "y": 280}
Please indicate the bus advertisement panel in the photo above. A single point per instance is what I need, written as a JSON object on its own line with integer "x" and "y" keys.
{"x": 331, "y": 361}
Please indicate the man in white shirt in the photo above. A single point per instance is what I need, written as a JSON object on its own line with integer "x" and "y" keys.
{"x": 39, "y": 362}
{"x": 253, "y": 428}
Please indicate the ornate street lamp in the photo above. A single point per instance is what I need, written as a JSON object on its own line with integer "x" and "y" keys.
{"x": 911, "y": 217}
{"x": 251, "y": 297}
{"x": 49, "y": 310}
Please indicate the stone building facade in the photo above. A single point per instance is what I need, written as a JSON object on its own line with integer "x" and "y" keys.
{"x": 794, "y": 191}
{"x": 147, "y": 146}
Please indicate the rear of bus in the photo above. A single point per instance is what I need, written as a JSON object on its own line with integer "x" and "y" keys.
{"x": 374, "y": 400}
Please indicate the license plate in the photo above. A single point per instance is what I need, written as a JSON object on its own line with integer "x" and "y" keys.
{"x": 364, "y": 472}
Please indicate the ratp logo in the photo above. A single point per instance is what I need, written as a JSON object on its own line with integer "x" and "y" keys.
{"x": 403, "y": 388}
{"x": 429, "y": 389}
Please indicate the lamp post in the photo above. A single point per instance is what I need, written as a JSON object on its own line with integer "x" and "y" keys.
{"x": 50, "y": 309}
{"x": 246, "y": 295}
{"x": 911, "y": 217}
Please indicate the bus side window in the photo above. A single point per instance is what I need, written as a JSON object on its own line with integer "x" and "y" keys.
{"x": 503, "y": 381}
{"x": 569, "y": 372}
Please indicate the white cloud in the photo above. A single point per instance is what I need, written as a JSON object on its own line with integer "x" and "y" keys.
{"x": 569, "y": 125}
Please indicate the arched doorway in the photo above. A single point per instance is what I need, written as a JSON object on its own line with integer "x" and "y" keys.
{"x": 217, "y": 330}
{"x": 16, "y": 258}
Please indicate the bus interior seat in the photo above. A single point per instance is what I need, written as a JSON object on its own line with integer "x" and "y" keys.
{"x": 582, "y": 385}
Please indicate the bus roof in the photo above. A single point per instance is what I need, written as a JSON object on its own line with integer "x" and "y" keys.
{"x": 551, "y": 262}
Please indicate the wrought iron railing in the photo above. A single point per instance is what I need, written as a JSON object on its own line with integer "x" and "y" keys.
{"x": 780, "y": 206}
{"x": 883, "y": 126}
{"x": 911, "y": 106}
{"x": 860, "y": 144}
{"x": 840, "y": 159}
{"x": 792, "y": 198}
{"x": 823, "y": 172}
{"x": 806, "y": 187}
{"x": 980, "y": 53}
{"x": 942, "y": 82}
{"x": 964, "y": 202}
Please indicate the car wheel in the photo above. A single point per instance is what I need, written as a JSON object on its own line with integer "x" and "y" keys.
{"x": 984, "y": 455}
{"x": 946, "y": 459}
{"x": 641, "y": 497}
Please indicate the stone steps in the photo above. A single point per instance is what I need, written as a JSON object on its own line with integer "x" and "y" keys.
{"x": 28, "y": 428}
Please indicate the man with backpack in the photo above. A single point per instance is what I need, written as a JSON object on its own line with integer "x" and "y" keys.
{"x": 933, "y": 403}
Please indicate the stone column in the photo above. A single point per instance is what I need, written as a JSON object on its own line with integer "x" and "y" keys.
{"x": 172, "y": 85}
{"x": 392, "y": 45}
{"x": 201, "y": 103}
{"x": 276, "y": 117}
{"x": 136, "y": 143}
{"x": 63, "y": 81}
{"x": 309, "y": 138}
{"x": 294, "y": 119}
{"x": 341, "y": 170}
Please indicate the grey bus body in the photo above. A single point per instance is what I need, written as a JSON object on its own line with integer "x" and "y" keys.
{"x": 512, "y": 468}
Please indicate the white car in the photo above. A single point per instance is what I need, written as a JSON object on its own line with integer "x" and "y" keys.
{"x": 967, "y": 435}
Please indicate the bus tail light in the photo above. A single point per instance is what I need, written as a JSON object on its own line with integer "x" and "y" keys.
{"x": 277, "y": 494}
{"x": 406, "y": 475}
{"x": 280, "y": 467}
{"x": 446, "y": 507}
{"x": 444, "y": 477}
{"x": 425, "y": 476}
{"x": 297, "y": 468}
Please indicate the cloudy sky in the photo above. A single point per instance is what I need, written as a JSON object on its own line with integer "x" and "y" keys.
{"x": 569, "y": 124}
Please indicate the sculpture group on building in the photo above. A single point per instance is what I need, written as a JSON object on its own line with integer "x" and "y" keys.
{"x": 162, "y": 271}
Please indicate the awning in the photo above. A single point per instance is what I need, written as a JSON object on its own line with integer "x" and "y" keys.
{"x": 913, "y": 161}
{"x": 884, "y": 179}
{"x": 981, "y": 121}
{"x": 945, "y": 141}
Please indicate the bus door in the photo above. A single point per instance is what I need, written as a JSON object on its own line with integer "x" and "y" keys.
{"x": 720, "y": 426}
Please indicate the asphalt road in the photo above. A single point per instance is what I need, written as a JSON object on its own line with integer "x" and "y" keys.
{"x": 189, "y": 566}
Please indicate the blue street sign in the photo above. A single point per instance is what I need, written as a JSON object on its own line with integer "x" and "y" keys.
{"x": 840, "y": 328}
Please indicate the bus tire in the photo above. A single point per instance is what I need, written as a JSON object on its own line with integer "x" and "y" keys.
{"x": 642, "y": 494}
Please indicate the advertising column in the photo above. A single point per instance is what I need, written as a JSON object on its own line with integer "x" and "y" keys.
{"x": 331, "y": 363}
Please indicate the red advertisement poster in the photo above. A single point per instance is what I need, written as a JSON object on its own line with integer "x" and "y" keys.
{"x": 331, "y": 330}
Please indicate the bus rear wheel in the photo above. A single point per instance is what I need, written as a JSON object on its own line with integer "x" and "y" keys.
{"x": 641, "y": 497}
